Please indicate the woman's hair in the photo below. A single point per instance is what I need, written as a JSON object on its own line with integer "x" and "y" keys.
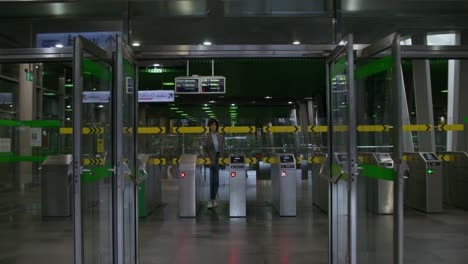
{"x": 211, "y": 121}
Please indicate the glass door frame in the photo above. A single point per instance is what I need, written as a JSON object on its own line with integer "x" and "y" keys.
{"x": 350, "y": 169}
{"x": 391, "y": 44}
{"x": 83, "y": 45}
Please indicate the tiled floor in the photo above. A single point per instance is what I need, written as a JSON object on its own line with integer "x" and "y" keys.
{"x": 213, "y": 237}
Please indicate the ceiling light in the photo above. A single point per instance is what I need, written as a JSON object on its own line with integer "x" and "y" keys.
{"x": 59, "y": 45}
{"x": 268, "y": 97}
{"x": 290, "y": 102}
{"x": 212, "y": 102}
{"x": 156, "y": 65}
{"x": 207, "y": 43}
{"x": 296, "y": 42}
{"x": 136, "y": 44}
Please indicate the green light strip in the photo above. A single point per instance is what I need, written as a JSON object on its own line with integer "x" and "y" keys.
{"x": 338, "y": 67}
{"x": 96, "y": 174}
{"x": 381, "y": 65}
{"x": 376, "y": 172}
{"x": 30, "y": 123}
{"x": 22, "y": 158}
{"x": 466, "y": 120}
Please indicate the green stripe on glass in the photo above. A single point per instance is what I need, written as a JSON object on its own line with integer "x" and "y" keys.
{"x": 381, "y": 65}
{"x": 30, "y": 123}
{"x": 466, "y": 119}
{"x": 142, "y": 199}
{"x": 376, "y": 172}
{"x": 93, "y": 68}
{"x": 96, "y": 174}
{"x": 22, "y": 158}
{"x": 128, "y": 69}
{"x": 338, "y": 67}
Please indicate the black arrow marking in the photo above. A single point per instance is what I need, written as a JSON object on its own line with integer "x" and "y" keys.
{"x": 177, "y": 130}
{"x": 222, "y": 130}
{"x": 296, "y": 128}
{"x": 442, "y": 127}
{"x": 251, "y": 129}
{"x": 428, "y": 127}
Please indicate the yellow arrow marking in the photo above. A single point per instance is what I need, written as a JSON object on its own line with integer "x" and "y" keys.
{"x": 151, "y": 130}
{"x": 455, "y": 127}
{"x": 251, "y": 160}
{"x": 175, "y": 161}
{"x": 97, "y": 162}
{"x": 189, "y": 130}
{"x": 340, "y": 128}
{"x": 316, "y": 159}
{"x": 445, "y": 157}
{"x": 224, "y": 161}
{"x": 318, "y": 129}
{"x": 417, "y": 127}
{"x": 373, "y": 128}
{"x": 157, "y": 161}
{"x": 244, "y": 129}
{"x": 281, "y": 129}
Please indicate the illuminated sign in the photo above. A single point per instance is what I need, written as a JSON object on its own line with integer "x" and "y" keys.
{"x": 200, "y": 85}
{"x": 213, "y": 84}
{"x": 187, "y": 85}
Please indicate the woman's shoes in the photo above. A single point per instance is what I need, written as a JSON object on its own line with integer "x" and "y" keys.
{"x": 210, "y": 205}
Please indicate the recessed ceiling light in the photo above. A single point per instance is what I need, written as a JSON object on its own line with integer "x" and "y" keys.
{"x": 156, "y": 65}
{"x": 136, "y": 44}
{"x": 296, "y": 42}
{"x": 207, "y": 43}
{"x": 212, "y": 102}
{"x": 268, "y": 97}
{"x": 290, "y": 102}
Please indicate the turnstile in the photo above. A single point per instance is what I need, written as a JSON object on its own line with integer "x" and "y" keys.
{"x": 379, "y": 189}
{"x": 56, "y": 185}
{"x": 424, "y": 181}
{"x": 455, "y": 186}
{"x": 190, "y": 176}
{"x": 283, "y": 181}
{"x": 320, "y": 184}
{"x": 237, "y": 185}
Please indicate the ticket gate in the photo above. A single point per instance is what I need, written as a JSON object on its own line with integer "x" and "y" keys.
{"x": 455, "y": 186}
{"x": 424, "y": 181}
{"x": 190, "y": 178}
{"x": 283, "y": 181}
{"x": 237, "y": 185}
{"x": 56, "y": 185}
{"x": 320, "y": 183}
{"x": 379, "y": 188}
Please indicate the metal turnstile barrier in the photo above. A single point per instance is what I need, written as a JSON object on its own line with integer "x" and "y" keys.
{"x": 320, "y": 184}
{"x": 237, "y": 185}
{"x": 379, "y": 189}
{"x": 190, "y": 180}
{"x": 424, "y": 181}
{"x": 455, "y": 181}
{"x": 56, "y": 185}
{"x": 283, "y": 181}
{"x": 149, "y": 190}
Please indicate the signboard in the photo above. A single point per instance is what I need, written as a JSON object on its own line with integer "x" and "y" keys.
{"x": 147, "y": 96}
{"x": 96, "y": 97}
{"x": 36, "y": 136}
{"x": 200, "y": 85}
{"x": 213, "y": 84}
{"x": 101, "y": 39}
{"x": 286, "y": 158}
{"x": 187, "y": 85}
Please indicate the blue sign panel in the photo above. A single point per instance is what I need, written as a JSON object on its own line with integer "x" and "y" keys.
{"x": 104, "y": 40}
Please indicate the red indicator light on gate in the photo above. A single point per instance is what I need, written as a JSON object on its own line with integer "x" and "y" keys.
{"x": 233, "y": 174}
{"x": 283, "y": 173}
{"x": 182, "y": 174}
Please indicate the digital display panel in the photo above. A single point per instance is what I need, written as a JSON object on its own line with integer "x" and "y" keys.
{"x": 187, "y": 85}
{"x": 237, "y": 159}
{"x": 213, "y": 84}
{"x": 287, "y": 158}
{"x": 429, "y": 156}
{"x": 383, "y": 157}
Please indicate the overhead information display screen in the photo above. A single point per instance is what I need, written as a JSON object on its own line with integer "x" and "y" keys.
{"x": 213, "y": 84}
{"x": 187, "y": 85}
{"x": 200, "y": 85}
{"x": 237, "y": 159}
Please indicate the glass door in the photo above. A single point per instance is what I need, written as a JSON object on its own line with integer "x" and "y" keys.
{"x": 379, "y": 136}
{"x": 93, "y": 154}
{"x": 341, "y": 154}
{"x": 133, "y": 170}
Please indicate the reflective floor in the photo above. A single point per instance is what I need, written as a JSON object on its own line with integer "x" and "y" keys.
{"x": 213, "y": 237}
